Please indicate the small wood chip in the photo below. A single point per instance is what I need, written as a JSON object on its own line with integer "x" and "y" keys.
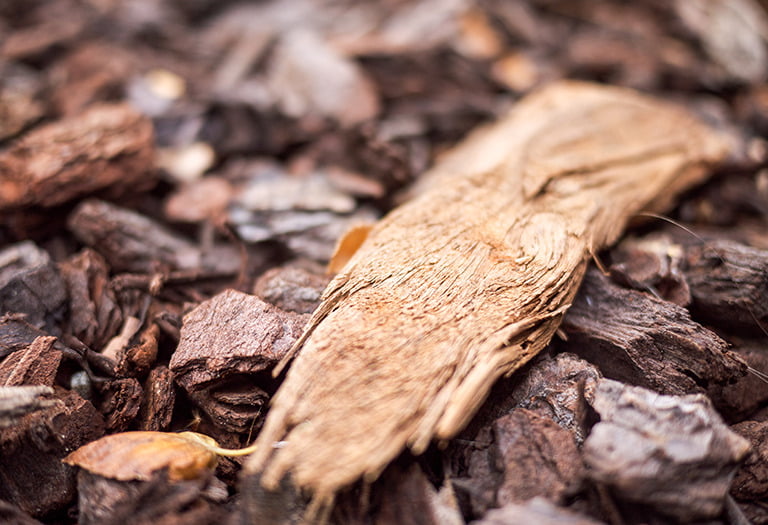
{"x": 294, "y": 288}
{"x": 105, "y": 147}
{"x": 120, "y": 402}
{"x": 31, "y": 472}
{"x": 729, "y": 284}
{"x": 225, "y": 342}
{"x": 642, "y": 340}
{"x": 751, "y": 480}
{"x": 94, "y": 315}
{"x": 673, "y": 453}
{"x": 158, "y": 401}
{"x": 539, "y": 457}
{"x": 35, "y": 365}
{"x": 129, "y": 241}
{"x": 31, "y": 284}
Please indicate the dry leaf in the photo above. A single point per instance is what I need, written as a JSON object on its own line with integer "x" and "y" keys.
{"x": 347, "y": 246}
{"x": 137, "y": 455}
{"x": 471, "y": 278}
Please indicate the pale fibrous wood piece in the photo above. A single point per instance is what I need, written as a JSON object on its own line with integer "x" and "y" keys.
{"x": 469, "y": 279}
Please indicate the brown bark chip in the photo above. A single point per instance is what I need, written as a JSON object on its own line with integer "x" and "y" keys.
{"x": 94, "y": 314}
{"x": 647, "y": 342}
{"x": 471, "y": 278}
{"x": 539, "y": 457}
{"x": 409, "y": 498}
{"x": 751, "y": 481}
{"x": 159, "y": 398}
{"x": 673, "y": 453}
{"x": 11, "y": 514}
{"x": 120, "y": 402}
{"x": 293, "y": 288}
{"x": 553, "y": 390}
{"x": 559, "y": 388}
{"x": 32, "y": 475}
{"x": 35, "y": 365}
{"x": 105, "y": 147}
{"x": 31, "y": 284}
{"x": 729, "y": 284}
{"x": 224, "y": 342}
{"x": 104, "y": 501}
{"x": 130, "y": 241}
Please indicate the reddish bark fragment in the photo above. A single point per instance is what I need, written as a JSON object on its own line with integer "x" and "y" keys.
{"x": 158, "y": 401}
{"x": 35, "y": 365}
{"x": 31, "y": 473}
{"x": 225, "y": 343}
{"x": 106, "y": 148}
{"x": 647, "y": 342}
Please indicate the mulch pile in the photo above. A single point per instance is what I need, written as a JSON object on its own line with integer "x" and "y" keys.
{"x": 174, "y": 176}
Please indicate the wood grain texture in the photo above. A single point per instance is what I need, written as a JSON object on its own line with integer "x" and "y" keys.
{"x": 470, "y": 278}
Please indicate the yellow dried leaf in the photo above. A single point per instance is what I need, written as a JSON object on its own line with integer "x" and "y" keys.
{"x": 138, "y": 455}
{"x": 347, "y": 246}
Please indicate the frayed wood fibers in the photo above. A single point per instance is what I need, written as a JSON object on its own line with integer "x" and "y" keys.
{"x": 470, "y": 279}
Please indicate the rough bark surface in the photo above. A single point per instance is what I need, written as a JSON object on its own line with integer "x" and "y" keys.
{"x": 471, "y": 278}
{"x": 673, "y": 453}
{"x": 647, "y": 342}
{"x": 107, "y": 147}
{"x": 225, "y": 343}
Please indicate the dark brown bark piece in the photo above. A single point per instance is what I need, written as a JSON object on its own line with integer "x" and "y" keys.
{"x": 30, "y": 284}
{"x": 131, "y": 242}
{"x": 225, "y": 343}
{"x": 17, "y": 401}
{"x": 55, "y": 24}
{"x": 754, "y": 511}
{"x": 532, "y": 456}
{"x": 530, "y": 451}
{"x": 538, "y": 511}
{"x": 282, "y": 506}
{"x": 652, "y": 264}
{"x": 294, "y": 288}
{"x": 673, "y": 453}
{"x": 103, "y": 501}
{"x": 35, "y": 365}
{"x": 120, "y": 403}
{"x": 107, "y": 147}
{"x": 16, "y": 334}
{"x": 94, "y": 314}
{"x": 409, "y": 498}
{"x": 158, "y": 401}
{"x": 647, "y": 342}
{"x": 751, "y": 480}
{"x": 537, "y": 457}
{"x": 32, "y": 475}
{"x": 750, "y": 392}
{"x": 729, "y": 284}
{"x": 559, "y": 388}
